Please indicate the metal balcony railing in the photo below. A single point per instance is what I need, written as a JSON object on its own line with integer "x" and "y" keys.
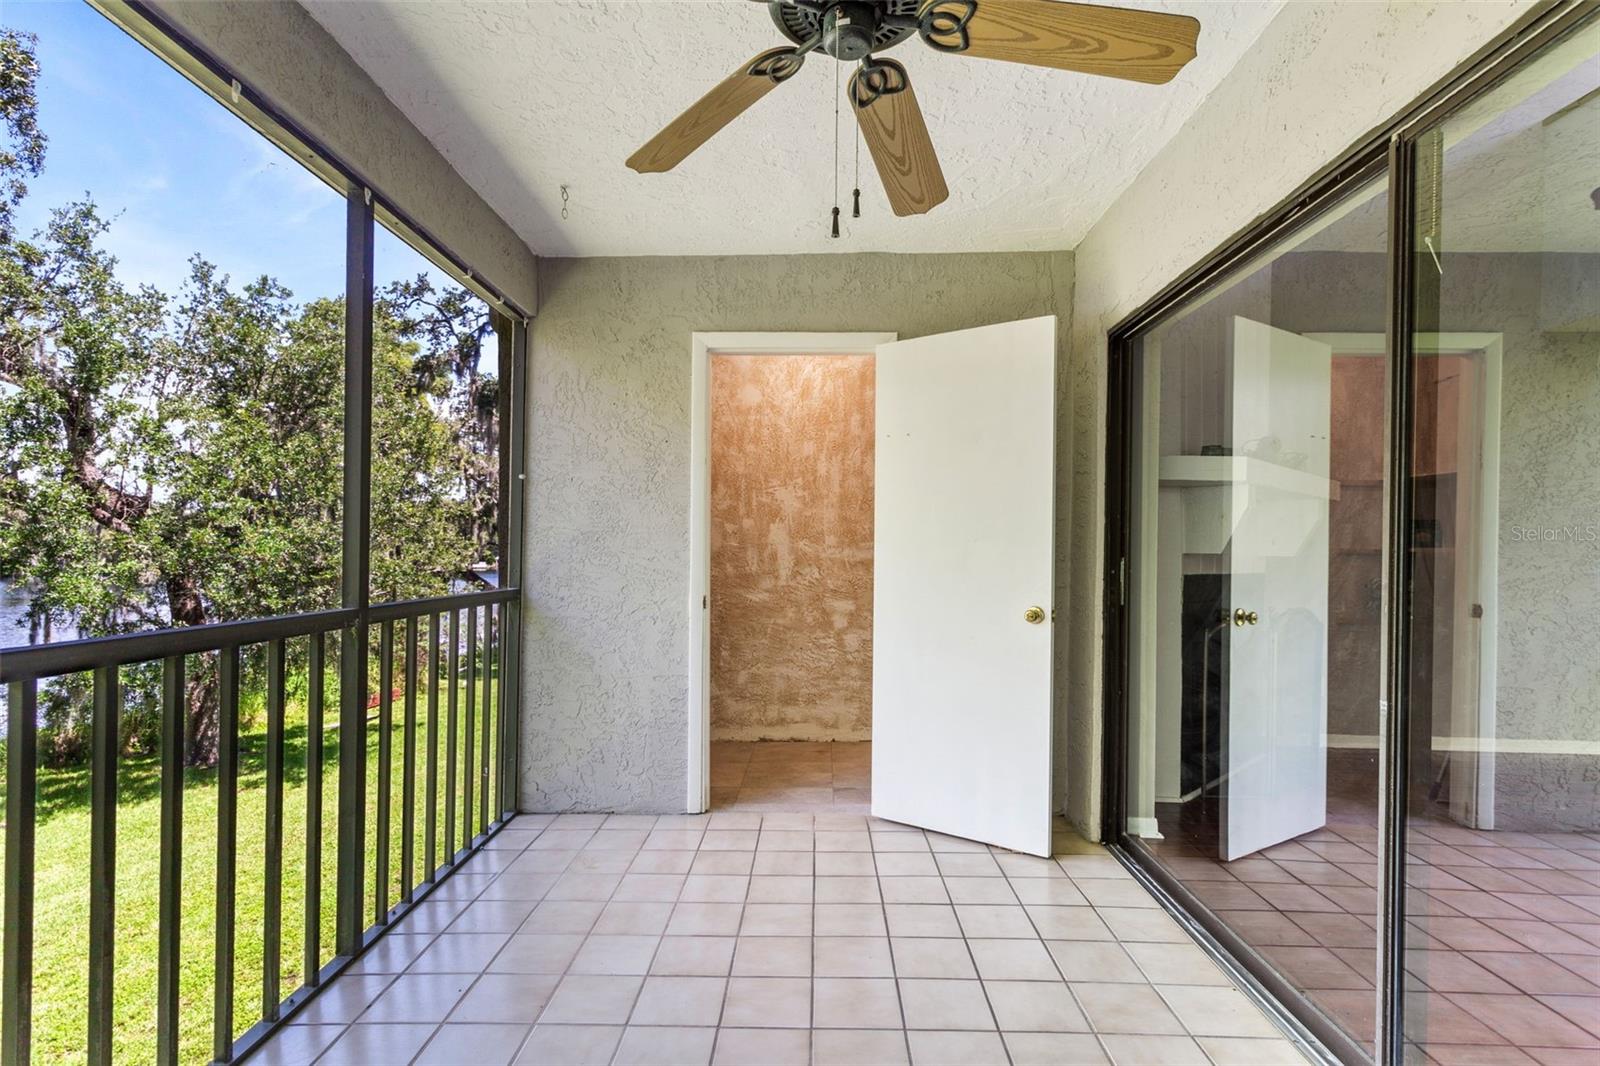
{"x": 457, "y": 728}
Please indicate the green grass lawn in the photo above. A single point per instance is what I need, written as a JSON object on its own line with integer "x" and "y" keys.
{"x": 61, "y": 909}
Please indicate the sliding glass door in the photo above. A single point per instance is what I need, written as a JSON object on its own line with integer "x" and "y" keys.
{"x": 1502, "y": 924}
{"x": 1356, "y": 645}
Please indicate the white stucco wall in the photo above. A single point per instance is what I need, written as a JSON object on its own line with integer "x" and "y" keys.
{"x": 1320, "y": 78}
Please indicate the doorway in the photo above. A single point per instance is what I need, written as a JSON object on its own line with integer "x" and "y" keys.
{"x": 791, "y": 580}
{"x": 958, "y": 649}
{"x": 778, "y": 582}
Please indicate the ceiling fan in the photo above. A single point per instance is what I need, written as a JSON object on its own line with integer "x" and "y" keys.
{"x": 1146, "y": 46}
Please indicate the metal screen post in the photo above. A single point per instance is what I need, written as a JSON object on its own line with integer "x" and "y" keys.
{"x": 357, "y": 530}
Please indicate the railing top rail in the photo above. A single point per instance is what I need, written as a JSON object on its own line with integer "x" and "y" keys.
{"x": 27, "y": 661}
{"x": 388, "y": 612}
{"x": 31, "y": 661}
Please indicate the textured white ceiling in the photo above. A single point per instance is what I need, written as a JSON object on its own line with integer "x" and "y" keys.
{"x": 524, "y": 97}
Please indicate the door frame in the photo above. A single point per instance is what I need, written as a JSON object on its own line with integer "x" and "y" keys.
{"x": 702, "y": 346}
{"x": 1474, "y": 735}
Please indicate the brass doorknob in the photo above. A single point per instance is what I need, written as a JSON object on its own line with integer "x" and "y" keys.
{"x": 1033, "y": 615}
{"x": 1242, "y": 617}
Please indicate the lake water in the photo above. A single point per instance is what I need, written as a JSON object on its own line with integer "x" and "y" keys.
{"x": 14, "y": 629}
{"x": 14, "y": 618}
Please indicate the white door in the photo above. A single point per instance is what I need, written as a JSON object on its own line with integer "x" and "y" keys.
{"x": 964, "y": 547}
{"x": 1275, "y": 751}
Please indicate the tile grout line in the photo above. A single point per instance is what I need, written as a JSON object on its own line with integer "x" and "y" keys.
{"x": 1098, "y": 1036}
{"x": 972, "y": 956}
{"x": 894, "y": 968}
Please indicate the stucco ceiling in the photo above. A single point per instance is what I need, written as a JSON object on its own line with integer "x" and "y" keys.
{"x": 524, "y": 97}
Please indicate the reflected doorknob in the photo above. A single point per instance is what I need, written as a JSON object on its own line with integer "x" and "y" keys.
{"x": 1033, "y": 615}
{"x": 1242, "y": 617}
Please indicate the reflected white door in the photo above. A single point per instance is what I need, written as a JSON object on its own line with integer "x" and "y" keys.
{"x": 1275, "y": 753}
{"x": 964, "y": 547}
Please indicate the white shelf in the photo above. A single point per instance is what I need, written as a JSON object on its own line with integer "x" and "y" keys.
{"x": 1199, "y": 471}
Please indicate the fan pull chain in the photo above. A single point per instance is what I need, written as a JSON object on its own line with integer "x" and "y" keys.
{"x": 856, "y": 211}
{"x": 836, "y": 150}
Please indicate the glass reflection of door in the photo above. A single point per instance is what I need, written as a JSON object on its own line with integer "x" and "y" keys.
{"x": 1274, "y": 757}
{"x": 1231, "y": 543}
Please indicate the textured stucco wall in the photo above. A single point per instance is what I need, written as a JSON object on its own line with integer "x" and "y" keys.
{"x": 606, "y": 642}
{"x": 1318, "y": 79}
{"x": 1549, "y": 564}
{"x": 791, "y": 546}
{"x": 279, "y": 50}
{"x": 1547, "y": 691}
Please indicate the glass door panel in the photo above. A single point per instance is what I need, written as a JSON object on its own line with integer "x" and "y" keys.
{"x": 1503, "y": 836}
{"x": 1255, "y": 607}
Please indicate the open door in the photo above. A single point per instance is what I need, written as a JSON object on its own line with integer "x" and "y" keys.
{"x": 1275, "y": 753}
{"x": 963, "y": 580}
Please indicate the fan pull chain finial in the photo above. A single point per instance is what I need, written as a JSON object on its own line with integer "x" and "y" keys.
{"x": 856, "y": 210}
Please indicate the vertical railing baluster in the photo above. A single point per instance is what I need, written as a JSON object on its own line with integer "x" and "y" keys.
{"x": 468, "y": 753}
{"x": 227, "y": 844}
{"x": 315, "y": 667}
{"x": 16, "y": 984}
{"x": 272, "y": 895}
{"x": 170, "y": 878}
{"x": 488, "y": 732}
{"x": 350, "y": 921}
{"x": 103, "y": 864}
{"x": 408, "y": 770}
{"x": 380, "y": 899}
{"x": 430, "y": 831}
{"x": 510, "y": 682}
{"x": 453, "y": 656}
{"x": 499, "y": 712}
{"x": 499, "y": 722}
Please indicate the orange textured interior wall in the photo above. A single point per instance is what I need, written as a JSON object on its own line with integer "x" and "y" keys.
{"x": 791, "y": 547}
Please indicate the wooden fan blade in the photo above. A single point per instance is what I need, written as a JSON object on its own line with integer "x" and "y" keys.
{"x": 724, "y": 103}
{"x": 891, "y": 124}
{"x": 1115, "y": 42}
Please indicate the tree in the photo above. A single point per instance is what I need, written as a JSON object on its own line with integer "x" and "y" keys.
{"x": 451, "y": 328}
{"x": 175, "y": 459}
{"x": 22, "y": 154}
{"x": 178, "y": 461}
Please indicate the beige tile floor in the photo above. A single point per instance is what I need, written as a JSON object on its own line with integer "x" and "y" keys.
{"x": 768, "y": 937}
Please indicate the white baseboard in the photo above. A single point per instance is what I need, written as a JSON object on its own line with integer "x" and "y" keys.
{"x": 1145, "y": 828}
{"x": 1485, "y": 745}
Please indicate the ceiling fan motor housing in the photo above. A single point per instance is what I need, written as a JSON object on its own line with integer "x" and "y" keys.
{"x": 885, "y": 24}
{"x": 848, "y": 30}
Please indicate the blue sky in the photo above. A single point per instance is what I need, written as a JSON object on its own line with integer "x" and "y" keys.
{"x": 175, "y": 171}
